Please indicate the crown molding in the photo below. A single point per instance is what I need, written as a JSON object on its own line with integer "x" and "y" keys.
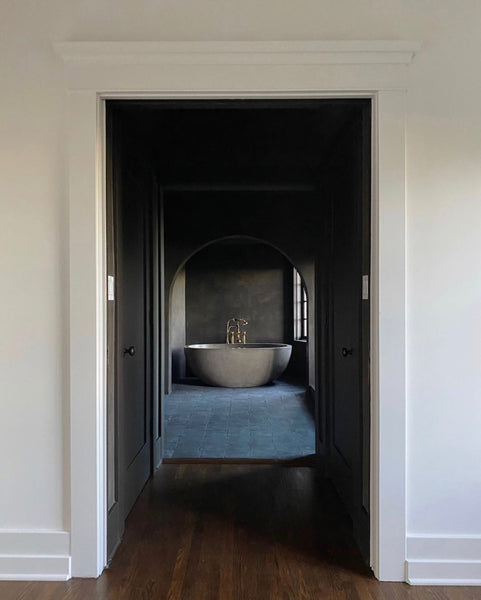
{"x": 240, "y": 53}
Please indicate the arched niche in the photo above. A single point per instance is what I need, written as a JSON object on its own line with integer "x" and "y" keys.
{"x": 235, "y": 275}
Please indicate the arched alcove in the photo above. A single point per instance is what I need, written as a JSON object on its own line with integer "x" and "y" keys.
{"x": 240, "y": 276}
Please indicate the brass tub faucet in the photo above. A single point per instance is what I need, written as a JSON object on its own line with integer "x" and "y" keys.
{"x": 234, "y": 335}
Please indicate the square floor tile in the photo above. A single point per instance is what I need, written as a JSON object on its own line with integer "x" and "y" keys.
{"x": 268, "y": 422}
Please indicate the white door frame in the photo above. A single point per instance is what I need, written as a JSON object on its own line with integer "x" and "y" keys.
{"x": 99, "y": 71}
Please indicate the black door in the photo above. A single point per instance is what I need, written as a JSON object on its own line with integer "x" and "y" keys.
{"x": 129, "y": 447}
{"x": 132, "y": 347}
{"x": 348, "y": 459}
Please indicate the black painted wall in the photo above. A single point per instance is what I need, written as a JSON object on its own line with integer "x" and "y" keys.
{"x": 246, "y": 280}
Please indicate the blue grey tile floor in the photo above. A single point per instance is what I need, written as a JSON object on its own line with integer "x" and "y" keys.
{"x": 272, "y": 421}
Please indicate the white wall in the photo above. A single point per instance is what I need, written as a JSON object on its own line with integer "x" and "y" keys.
{"x": 444, "y": 224}
{"x": 444, "y": 281}
{"x": 33, "y": 255}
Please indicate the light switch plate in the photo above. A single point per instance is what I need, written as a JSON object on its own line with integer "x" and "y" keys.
{"x": 110, "y": 288}
{"x": 365, "y": 287}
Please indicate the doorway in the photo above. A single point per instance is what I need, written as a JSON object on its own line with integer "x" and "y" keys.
{"x": 294, "y": 173}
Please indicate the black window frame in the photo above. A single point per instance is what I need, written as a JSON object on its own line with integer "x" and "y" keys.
{"x": 300, "y": 308}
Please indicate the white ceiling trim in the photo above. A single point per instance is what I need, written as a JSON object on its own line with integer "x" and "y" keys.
{"x": 349, "y": 52}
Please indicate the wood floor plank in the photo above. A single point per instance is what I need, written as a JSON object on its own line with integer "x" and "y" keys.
{"x": 183, "y": 554}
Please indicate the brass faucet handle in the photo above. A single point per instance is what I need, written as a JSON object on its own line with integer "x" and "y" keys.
{"x": 234, "y": 335}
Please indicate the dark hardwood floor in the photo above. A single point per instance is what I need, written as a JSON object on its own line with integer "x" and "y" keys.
{"x": 235, "y": 532}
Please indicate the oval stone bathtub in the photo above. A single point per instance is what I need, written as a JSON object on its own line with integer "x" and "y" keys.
{"x": 238, "y": 365}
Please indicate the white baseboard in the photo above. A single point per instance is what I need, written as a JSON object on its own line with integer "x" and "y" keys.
{"x": 34, "y": 555}
{"x": 443, "y": 560}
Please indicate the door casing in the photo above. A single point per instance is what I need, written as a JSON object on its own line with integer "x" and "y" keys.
{"x": 88, "y": 279}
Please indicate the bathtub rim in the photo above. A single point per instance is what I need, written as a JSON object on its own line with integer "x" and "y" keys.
{"x": 247, "y": 346}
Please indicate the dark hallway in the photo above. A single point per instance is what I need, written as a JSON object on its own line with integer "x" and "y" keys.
{"x": 276, "y": 186}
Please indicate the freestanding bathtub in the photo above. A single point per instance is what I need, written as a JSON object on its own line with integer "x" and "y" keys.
{"x": 238, "y": 365}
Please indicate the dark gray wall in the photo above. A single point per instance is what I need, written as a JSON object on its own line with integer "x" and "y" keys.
{"x": 232, "y": 280}
{"x": 177, "y": 329}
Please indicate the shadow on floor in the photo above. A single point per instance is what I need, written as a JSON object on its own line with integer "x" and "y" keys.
{"x": 265, "y": 507}
{"x": 198, "y": 383}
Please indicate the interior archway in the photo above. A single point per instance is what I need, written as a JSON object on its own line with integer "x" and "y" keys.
{"x": 292, "y": 271}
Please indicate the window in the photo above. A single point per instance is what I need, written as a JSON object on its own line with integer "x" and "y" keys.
{"x": 300, "y": 308}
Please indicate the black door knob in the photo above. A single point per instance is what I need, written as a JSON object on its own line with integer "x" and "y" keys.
{"x": 130, "y": 350}
{"x": 347, "y": 351}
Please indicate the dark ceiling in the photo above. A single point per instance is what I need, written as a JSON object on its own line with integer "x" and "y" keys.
{"x": 234, "y": 144}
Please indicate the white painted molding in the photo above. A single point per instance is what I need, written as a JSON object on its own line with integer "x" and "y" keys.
{"x": 87, "y": 336}
{"x": 388, "y": 338}
{"x": 157, "y": 70}
{"x": 443, "y": 560}
{"x": 240, "y": 53}
{"x": 34, "y": 555}
{"x": 446, "y": 547}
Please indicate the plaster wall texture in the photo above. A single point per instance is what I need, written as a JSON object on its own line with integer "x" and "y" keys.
{"x": 236, "y": 281}
{"x": 443, "y": 155}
